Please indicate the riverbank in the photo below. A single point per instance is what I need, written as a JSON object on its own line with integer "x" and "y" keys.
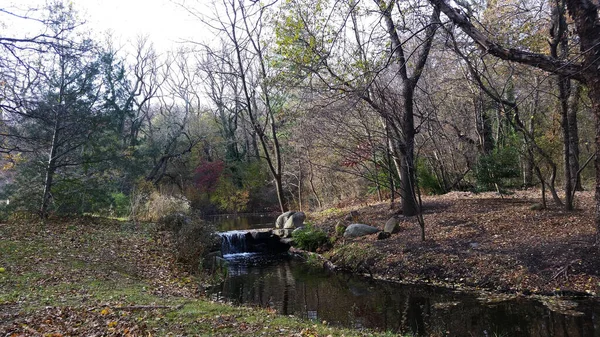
{"x": 92, "y": 276}
{"x": 481, "y": 241}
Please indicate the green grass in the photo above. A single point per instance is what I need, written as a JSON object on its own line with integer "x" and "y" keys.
{"x": 95, "y": 276}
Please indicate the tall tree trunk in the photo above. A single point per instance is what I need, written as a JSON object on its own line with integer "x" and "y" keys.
{"x": 564, "y": 89}
{"x": 410, "y": 206}
{"x": 528, "y": 161}
{"x": 559, "y": 49}
{"x": 574, "y": 136}
{"x": 594, "y": 95}
{"x": 50, "y": 170}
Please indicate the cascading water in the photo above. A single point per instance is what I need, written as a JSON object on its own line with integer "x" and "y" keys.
{"x": 233, "y": 242}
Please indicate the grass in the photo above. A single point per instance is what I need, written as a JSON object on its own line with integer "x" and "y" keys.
{"x": 95, "y": 276}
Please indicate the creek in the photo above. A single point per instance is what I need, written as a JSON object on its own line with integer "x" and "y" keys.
{"x": 292, "y": 287}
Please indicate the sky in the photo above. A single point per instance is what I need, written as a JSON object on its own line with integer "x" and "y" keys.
{"x": 163, "y": 21}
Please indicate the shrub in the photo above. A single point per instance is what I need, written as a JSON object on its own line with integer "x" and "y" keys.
{"x": 497, "y": 168}
{"x": 160, "y": 204}
{"x": 428, "y": 181}
{"x": 148, "y": 204}
{"x": 310, "y": 238}
{"x": 120, "y": 204}
{"x": 193, "y": 238}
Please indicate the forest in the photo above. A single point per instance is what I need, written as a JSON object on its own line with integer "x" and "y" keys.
{"x": 465, "y": 133}
{"x": 301, "y": 105}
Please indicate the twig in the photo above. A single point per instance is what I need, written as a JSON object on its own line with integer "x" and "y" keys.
{"x": 564, "y": 270}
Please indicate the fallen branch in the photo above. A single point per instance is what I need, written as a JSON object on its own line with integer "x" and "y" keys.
{"x": 564, "y": 270}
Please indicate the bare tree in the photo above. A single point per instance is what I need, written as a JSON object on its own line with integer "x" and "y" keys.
{"x": 243, "y": 27}
{"x": 585, "y": 67}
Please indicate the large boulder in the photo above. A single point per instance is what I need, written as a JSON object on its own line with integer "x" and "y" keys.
{"x": 283, "y": 218}
{"x": 356, "y": 230}
{"x": 392, "y": 225}
{"x": 295, "y": 221}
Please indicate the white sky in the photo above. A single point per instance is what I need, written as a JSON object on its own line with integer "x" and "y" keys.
{"x": 163, "y": 21}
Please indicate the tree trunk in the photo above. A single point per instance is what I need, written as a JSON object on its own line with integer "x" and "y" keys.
{"x": 407, "y": 172}
{"x": 50, "y": 170}
{"x": 528, "y": 161}
{"x": 564, "y": 89}
{"x": 574, "y": 136}
{"x": 594, "y": 95}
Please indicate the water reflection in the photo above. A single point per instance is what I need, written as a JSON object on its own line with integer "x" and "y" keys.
{"x": 292, "y": 288}
{"x": 242, "y": 221}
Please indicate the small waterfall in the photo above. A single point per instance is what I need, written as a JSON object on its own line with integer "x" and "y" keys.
{"x": 233, "y": 242}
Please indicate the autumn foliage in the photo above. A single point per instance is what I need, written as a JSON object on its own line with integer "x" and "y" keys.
{"x": 207, "y": 175}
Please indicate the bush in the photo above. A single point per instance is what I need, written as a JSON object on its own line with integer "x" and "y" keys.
{"x": 497, "y": 168}
{"x": 310, "y": 238}
{"x": 193, "y": 238}
{"x": 120, "y": 205}
{"x": 148, "y": 204}
{"x": 428, "y": 181}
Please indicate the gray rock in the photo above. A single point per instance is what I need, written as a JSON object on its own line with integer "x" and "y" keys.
{"x": 283, "y": 218}
{"x": 392, "y": 225}
{"x": 287, "y": 241}
{"x": 295, "y": 221}
{"x": 536, "y": 207}
{"x": 261, "y": 234}
{"x": 283, "y": 233}
{"x": 356, "y": 230}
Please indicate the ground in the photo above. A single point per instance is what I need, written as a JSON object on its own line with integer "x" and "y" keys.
{"x": 99, "y": 277}
{"x": 481, "y": 241}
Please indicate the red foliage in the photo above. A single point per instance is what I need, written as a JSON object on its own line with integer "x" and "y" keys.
{"x": 207, "y": 175}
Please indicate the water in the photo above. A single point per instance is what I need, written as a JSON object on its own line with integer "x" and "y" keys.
{"x": 233, "y": 242}
{"x": 230, "y": 222}
{"x": 292, "y": 288}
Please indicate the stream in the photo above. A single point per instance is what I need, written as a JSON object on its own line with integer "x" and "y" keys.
{"x": 291, "y": 287}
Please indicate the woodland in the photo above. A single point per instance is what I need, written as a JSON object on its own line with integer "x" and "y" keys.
{"x": 474, "y": 123}
{"x": 302, "y": 105}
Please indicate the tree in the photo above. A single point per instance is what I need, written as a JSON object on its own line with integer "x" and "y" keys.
{"x": 344, "y": 59}
{"x": 56, "y": 112}
{"x": 243, "y": 27}
{"x": 585, "y": 14}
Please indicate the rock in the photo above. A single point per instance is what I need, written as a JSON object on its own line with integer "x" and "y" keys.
{"x": 536, "y": 207}
{"x": 295, "y": 221}
{"x": 356, "y": 230}
{"x": 383, "y": 235}
{"x": 283, "y": 218}
{"x": 261, "y": 234}
{"x": 283, "y": 233}
{"x": 287, "y": 241}
{"x": 392, "y": 225}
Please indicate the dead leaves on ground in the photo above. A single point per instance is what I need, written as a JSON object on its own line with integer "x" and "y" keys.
{"x": 484, "y": 241}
